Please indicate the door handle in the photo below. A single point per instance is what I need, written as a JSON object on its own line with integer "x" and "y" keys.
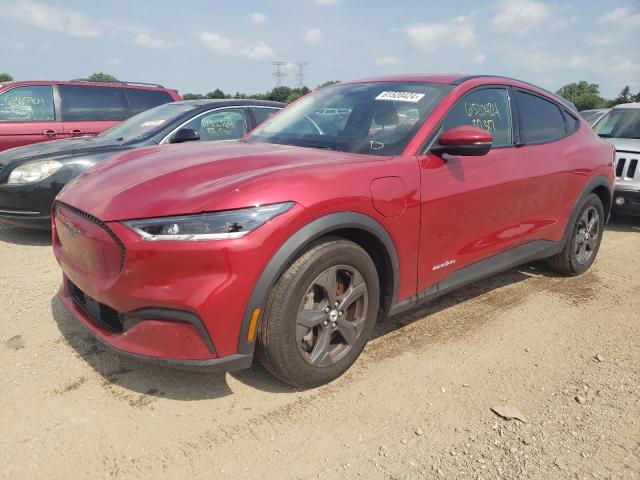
{"x": 50, "y": 133}
{"x": 76, "y": 131}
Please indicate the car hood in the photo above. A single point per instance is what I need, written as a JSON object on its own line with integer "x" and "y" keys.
{"x": 625, "y": 144}
{"x": 170, "y": 180}
{"x": 60, "y": 148}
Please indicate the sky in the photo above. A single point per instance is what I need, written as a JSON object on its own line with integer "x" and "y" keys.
{"x": 197, "y": 46}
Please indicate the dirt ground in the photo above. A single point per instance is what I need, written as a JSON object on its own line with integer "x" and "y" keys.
{"x": 417, "y": 404}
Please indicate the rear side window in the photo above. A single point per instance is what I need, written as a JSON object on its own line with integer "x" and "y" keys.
{"x": 141, "y": 100}
{"x": 488, "y": 109}
{"x": 228, "y": 124}
{"x": 85, "y": 103}
{"x": 571, "y": 123}
{"x": 541, "y": 121}
{"x": 261, "y": 114}
{"x": 27, "y": 104}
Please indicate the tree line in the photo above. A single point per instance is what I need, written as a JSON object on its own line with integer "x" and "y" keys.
{"x": 583, "y": 94}
{"x": 586, "y": 96}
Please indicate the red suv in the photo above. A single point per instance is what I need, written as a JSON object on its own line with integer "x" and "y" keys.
{"x": 294, "y": 241}
{"x": 35, "y": 111}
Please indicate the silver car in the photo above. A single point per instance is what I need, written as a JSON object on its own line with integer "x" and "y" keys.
{"x": 621, "y": 127}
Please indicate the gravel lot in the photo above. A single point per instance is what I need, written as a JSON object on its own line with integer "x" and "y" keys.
{"x": 564, "y": 352}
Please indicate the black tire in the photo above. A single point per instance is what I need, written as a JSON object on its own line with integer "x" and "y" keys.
{"x": 287, "y": 346}
{"x": 573, "y": 260}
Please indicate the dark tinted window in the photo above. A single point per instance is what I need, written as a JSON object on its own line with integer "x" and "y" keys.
{"x": 141, "y": 100}
{"x": 488, "y": 109}
{"x": 27, "y": 104}
{"x": 80, "y": 102}
{"x": 228, "y": 124}
{"x": 261, "y": 114}
{"x": 571, "y": 122}
{"x": 541, "y": 120}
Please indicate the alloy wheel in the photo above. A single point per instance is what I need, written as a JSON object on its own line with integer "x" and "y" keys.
{"x": 586, "y": 236}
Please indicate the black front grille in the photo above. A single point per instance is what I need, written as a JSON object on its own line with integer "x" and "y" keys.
{"x": 101, "y": 224}
{"x": 106, "y": 316}
{"x": 620, "y": 167}
{"x": 633, "y": 165}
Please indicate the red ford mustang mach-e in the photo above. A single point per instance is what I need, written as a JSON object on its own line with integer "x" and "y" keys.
{"x": 358, "y": 201}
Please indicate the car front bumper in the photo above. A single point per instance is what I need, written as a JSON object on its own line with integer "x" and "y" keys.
{"x": 626, "y": 201}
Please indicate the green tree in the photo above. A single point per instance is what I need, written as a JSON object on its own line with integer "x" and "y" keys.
{"x": 5, "y": 77}
{"x": 279, "y": 94}
{"x": 102, "y": 77}
{"x": 296, "y": 93}
{"x": 583, "y": 94}
{"x": 217, "y": 93}
{"x": 192, "y": 96}
{"x": 328, "y": 83}
{"x": 636, "y": 97}
{"x": 624, "y": 96}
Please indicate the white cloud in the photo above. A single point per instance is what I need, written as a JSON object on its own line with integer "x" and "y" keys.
{"x": 327, "y": 3}
{"x": 216, "y": 43}
{"x": 225, "y": 46}
{"x": 522, "y": 16}
{"x": 258, "y": 18}
{"x": 257, "y": 51}
{"x": 314, "y": 36}
{"x": 115, "y": 62}
{"x": 428, "y": 37}
{"x": 602, "y": 40}
{"x": 622, "y": 16}
{"x": 148, "y": 41}
{"x": 386, "y": 61}
{"x": 563, "y": 23}
{"x": 478, "y": 59}
{"x": 52, "y": 18}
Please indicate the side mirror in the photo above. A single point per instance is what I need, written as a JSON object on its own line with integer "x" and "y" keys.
{"x": 185, "y": 135}
{"x": 464, "y": 140}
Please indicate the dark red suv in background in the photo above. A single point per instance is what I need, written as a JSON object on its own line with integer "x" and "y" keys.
{"x": 37, "y": 111}
{"x": 294, "y": 241}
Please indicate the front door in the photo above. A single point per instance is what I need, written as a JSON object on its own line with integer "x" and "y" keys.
{"x": 471, "y": 205}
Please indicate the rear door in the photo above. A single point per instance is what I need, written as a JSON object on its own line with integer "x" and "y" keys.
{"x": 471, "y": 206}
{"x": 88, "y": 109}
{"x": 28, "y": 115}
{"x": 552, "y": 156}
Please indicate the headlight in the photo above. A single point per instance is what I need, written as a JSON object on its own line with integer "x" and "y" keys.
{"x": 33, "y": 171}
{"x": 208, "y": 226}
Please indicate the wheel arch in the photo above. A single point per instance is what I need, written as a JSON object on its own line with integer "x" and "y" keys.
{"x": 359, "y": 228}
{"x": 602, "y": 187}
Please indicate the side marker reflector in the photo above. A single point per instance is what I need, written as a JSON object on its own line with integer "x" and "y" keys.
{"x": 251, "y": 333}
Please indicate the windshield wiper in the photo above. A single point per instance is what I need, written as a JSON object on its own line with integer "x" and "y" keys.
{"x": 322, "y": 147}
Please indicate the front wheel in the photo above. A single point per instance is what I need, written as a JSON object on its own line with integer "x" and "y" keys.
{"x": 320, "y": 314}
{"x": 582, "y": 245}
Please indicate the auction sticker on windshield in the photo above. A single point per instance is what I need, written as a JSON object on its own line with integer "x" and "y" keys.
{"x": 401, "y": 96}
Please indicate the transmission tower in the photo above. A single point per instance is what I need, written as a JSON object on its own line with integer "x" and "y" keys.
{"x": 300, "y": 74}
{"x": 279, "y": 74}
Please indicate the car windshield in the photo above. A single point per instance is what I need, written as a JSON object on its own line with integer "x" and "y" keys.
{"x": 619, "y": 123}
{"x": 377, "y": 118}
{"x": 147, "y": 123}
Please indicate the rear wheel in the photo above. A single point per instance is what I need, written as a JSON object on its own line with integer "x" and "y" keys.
{"x": 319, "y": 314}
{"x": 582, "y": 245}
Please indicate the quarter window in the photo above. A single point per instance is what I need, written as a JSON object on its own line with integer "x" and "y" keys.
{"x": 82, "y": 103}
{"x": 488, "y": 109}
{"x": 228, "y": 124}
{"x": 27, "y": 104}
{"x": 261, "y": 114}
{"x": 541, "y": 121}
{"x": 141, "y": 100}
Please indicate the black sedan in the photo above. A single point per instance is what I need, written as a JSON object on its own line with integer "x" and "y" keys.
{"x": 32, "y": 176}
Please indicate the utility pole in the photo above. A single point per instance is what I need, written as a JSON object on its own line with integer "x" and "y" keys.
{"x": 279, "y": 74}
{"x": 300, "y": 74}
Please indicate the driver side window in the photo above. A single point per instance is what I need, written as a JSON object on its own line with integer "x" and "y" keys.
{"x": 488, "y": 109}
{"x": 228, "y": 124}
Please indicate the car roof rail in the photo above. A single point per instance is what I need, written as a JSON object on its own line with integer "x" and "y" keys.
{"x": 560, "y": 99}
{"x": 120, "y": 81}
